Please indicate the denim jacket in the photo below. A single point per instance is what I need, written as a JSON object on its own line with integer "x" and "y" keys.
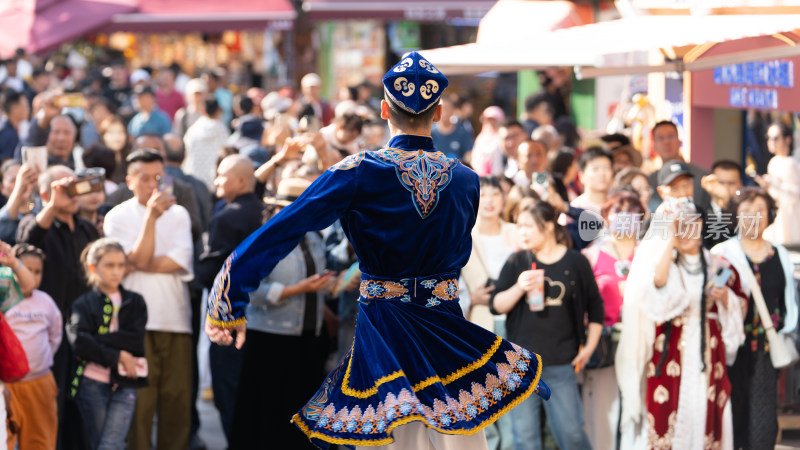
{"x": 268, "y": 313}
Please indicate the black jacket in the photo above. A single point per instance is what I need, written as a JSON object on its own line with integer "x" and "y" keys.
{"x": 86, "y": 317}
{"x": 229, "y": 226}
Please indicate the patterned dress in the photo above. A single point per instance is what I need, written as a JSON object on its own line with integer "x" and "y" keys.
{"x": 408, "y": 211}
{"x": 688, "y": 391}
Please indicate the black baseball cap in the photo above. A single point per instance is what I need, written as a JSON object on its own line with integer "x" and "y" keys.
{"x": 672, "y": 170}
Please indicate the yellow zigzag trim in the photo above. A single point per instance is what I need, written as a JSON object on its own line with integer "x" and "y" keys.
{"x": 297, "y": 419}
{"x": 226, "y": 324}
{"x": 346, "y": 389}
{"x": 461, "y": 372}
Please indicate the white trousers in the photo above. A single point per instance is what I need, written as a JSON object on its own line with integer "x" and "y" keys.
{"x": 416, "y": 436}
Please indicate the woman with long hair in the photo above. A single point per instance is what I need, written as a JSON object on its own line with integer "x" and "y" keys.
{"x": 554, "y": 327}
{"x": 691, "y": 328}
{"x": 754, "y": 380}
{"x": 114, "y": 135}
{"x": 611, "y": 259}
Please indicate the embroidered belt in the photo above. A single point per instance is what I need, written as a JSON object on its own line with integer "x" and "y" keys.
{"x": 427, "y": 291}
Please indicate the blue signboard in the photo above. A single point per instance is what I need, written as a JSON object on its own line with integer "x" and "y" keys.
{"x": 757, "y": 74}
{"x": 754, "y": 84}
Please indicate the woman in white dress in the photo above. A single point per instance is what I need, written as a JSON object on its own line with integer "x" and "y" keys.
{"x": 782, "y": 181}
{"x": 690, "y": 327}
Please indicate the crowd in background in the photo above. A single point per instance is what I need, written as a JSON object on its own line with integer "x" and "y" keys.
{"x": 190, "y": 169}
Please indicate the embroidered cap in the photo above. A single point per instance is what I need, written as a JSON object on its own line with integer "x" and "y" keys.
{"x": 414, "y": 84}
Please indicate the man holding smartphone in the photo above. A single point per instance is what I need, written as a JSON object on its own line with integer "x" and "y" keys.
{"x": 156, "y": 235}
{"x": 62, "y": 234}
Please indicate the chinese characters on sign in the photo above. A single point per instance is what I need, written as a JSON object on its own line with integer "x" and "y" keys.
{"x": 755, "y": 84}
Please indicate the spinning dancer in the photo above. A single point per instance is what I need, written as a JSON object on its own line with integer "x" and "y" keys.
{"x": 408, "y": 211}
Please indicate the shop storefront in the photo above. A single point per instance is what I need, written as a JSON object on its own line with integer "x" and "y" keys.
{"x": 251, "y": 57}
{"x": 356, "y": 41}
{"x": 721, "y": 99}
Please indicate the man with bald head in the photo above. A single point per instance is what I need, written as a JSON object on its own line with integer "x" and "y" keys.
{"x": 532, "y": 158}
{"x": 231, "y": 224}
{"x": 62, "y": 234}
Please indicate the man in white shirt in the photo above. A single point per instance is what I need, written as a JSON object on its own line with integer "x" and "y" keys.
{"x": 156, "y": 235}
{"x": 204, "y": 140}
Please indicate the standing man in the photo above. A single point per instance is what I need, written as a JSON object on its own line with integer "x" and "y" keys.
{"x": 16, "y": 110}
{"x": 667, "y": 144}
{"x": 596, "y": 168}
{"x": 241, "y": 214}
{"x": 448, "y": 135}
{"x": 196, "y": 92}
{"x": 156, "y": 235}
{"x": 62, "y": 234}
{"x": 61, "y": 141}
{"x": 168, "y": 98}
{"x": 512, "y": 133}
{"x": 214, "y": 79}
{"x": 532, "y": 159}
{"x": 408, "y": 211}
{"x": 721, "y": 184}
{"x": 148, "y": 119}
{"x": 204, "y": 140}
{"x": 538, "y": 112}
{"x": 311, "y": 87}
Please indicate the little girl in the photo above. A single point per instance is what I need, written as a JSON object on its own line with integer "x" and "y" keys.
{"x": 36, "y": 321}
{"x": 106, "y": 331}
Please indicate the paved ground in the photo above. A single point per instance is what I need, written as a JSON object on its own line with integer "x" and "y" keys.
{"x": 210, "y": 426}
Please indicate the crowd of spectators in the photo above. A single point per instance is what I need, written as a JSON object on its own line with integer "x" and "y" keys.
{"x": 188, "y": 169}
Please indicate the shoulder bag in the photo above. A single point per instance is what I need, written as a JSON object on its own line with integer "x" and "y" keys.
{"x": 782, "y": 349}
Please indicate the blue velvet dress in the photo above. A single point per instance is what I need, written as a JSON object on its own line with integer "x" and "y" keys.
{"x": 408, "y": 211}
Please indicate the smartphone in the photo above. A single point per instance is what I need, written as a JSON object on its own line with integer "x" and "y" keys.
{"x": 141, "y": 368}
{"x": 87, "y": 181}
{"x": 309, "y": 124}
{"x": 352, "y": 272}
{"x": 166, "y": 184}
{"x": 721, "y": 276}
{"x": 540, "y": 183}
{"x": 35, "y": 157}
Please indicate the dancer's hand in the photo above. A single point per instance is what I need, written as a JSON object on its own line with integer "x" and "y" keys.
{"x": 224, "y": 336}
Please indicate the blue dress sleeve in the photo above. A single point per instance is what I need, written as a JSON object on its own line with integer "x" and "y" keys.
{"x": 319, "y": 206}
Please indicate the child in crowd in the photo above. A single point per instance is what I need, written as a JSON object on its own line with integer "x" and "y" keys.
{"x": 36, "y": 321}
{"x": 106, "y": 331}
